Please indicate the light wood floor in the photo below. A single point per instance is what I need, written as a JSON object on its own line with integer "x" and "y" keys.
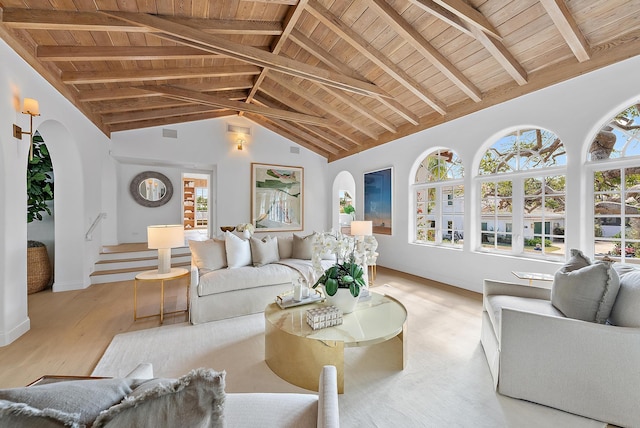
{"x": 71, "y": 330}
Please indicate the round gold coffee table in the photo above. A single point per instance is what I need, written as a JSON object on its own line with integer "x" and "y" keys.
{"x": 297, "y": 353}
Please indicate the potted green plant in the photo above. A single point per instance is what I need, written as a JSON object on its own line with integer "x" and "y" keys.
{"x": 344, "y": 279}
{"x": 39, "y": 193}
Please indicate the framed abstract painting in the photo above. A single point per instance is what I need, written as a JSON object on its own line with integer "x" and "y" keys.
{"x": 277, "y": 199}
{"x": 378, "y": 204}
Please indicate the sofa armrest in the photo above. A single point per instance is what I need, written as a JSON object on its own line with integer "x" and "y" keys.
{"x": 328, "y": 411}
{"x": 142, "y": 371}
{"x": 577, "y": 366}
{"x": 195, "y": 276}
{"x": 492, "y": 287}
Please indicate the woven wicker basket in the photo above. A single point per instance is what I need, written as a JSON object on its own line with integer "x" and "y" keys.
{"x": 38, "y": 269}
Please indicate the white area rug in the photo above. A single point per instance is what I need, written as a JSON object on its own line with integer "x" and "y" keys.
{"x": 446, "y": 381}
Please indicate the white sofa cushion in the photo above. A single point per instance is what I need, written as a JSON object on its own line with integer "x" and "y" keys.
{"x": 271, "y": 410}
{"x": 210, "y": 254}
{"x": 224, "y": 280}
{"x": 238, "y": 251}
{"x": 626, "y": 309}
{"x": 496, "y": 303}
{"x": 264, "y": 251}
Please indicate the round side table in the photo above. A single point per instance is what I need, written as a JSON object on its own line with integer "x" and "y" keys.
{"x": 153, "y": 275}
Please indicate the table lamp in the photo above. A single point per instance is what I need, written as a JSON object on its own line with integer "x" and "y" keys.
{"x": 361, "y": 228}
{"x": 164, "y": 238}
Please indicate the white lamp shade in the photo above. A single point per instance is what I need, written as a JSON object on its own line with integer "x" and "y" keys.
{"x": 361, "y": 228}
{"x": 30, "y": 106}
{"x": 165, "y": 236}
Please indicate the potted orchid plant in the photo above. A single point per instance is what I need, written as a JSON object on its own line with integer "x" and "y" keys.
{"x": 346, "y": 275}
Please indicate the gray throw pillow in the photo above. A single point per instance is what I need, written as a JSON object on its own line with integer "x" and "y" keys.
{"x": 585, "y": 291}
{"x": 87, "y": 398}
{"x": 285, "y": 247}
{"x": 194, "y": 400}
{"x": 303, "y": 246}
{"x": 626, "y": 309}
{"x": 20, "y": 415}
{"x": 210, "y": 254}
{"x": 264, "y": 251}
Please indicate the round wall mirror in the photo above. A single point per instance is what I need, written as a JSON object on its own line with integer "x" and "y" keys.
{"x": 151, "y": 189}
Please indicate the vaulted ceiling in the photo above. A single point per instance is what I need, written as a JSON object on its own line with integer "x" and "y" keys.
{"x": 335, "y": 76}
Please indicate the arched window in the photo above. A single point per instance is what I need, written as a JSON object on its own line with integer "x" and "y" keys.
{"x": 613, "y": 155}
{"x": 522, "y": 194}
{"x": 439, "y": 196}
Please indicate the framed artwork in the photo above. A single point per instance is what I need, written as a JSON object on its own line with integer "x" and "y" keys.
{"x": 378, "y": 205}
{"x": 277, "y": 199}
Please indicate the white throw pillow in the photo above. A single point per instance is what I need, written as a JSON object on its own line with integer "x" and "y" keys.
{"x": 264, "y": 251}
{"x": 210, "y": 254}
{"x": 238, "y": 251}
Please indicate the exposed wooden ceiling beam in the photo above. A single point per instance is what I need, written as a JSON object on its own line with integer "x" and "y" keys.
{"x": 169, "y": 120}
{"x": 324, "y": 106}
{"x": 265, "y": 122}
{"x": 470, "y": 15}
{"x": 499, "y": 51}
{"x": 276, "y": 93}
{"x": 155, "y": 102}
{"x": 119, "y": 53}
{"x": 136, "y": 92}
{"x": 327, "y": 138}
{"x": 331, "y": 61}
{"x": 490, "y": 41}
{"x": 196, "y": 38}
{"x": 362, "y": 46}
{"x": 110, "y": 76}
{"x": 46, "y": 19}
{"x": 135, "y": 116}
{"x": 362, "y": 109}
{"x": 290, "y": 21}
{"x": 212, "y": 100}
{"x": 562, "y": 18}
{"x": 422, "y": 46}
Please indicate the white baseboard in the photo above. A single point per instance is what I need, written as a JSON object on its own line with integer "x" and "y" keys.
{"x": 9, "y": 336}
{"x": 69, "y": 286}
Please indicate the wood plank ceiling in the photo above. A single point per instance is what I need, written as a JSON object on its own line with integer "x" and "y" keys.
{"x": 335, "y": 76}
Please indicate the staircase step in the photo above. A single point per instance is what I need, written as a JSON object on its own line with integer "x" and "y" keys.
{"x": 123, "y": 262}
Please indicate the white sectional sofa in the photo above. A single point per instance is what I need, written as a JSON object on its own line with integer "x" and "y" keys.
{"x": 538, "y": 353}
{"x": 226, "y": 281}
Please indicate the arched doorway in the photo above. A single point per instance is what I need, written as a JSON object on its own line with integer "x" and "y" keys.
{"x": 344, "y": 187}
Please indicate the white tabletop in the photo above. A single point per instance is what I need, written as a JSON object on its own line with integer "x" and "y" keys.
{"x": 375, "y": 320}
{"x": 154, "y": 275}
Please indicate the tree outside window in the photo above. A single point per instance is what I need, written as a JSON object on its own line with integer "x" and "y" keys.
{"x": 522, "y": 194}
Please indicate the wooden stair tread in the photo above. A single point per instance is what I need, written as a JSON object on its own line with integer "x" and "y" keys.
{"x": 138, "y": 259}
{"x": 128, "y": 248}
{"x": 135, "y": 269}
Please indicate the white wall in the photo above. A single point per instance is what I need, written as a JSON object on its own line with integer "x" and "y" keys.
{"x": 206, "y": 147}
{"x": 574, "y": 110}
{"x": 78, "y": 150}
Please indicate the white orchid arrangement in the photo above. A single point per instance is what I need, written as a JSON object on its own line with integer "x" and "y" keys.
{"x": 350, "y": 255}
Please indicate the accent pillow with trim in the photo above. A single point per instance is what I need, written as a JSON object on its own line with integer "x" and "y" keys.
{"x": 585, "y": 291}
{"x": 238, "y": 251}
{"x": 82, "y": 398}
{"x": 20, "y": 415}
{"x": 194, "y": 400}
{"x": 210, "y": 254}
{"x": 303, "y": 246}
{"x": 264, "y": 251}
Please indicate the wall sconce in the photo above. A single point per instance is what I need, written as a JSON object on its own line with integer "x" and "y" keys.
{"x": 30, "y": 107}
{"x": 240, "y": 142}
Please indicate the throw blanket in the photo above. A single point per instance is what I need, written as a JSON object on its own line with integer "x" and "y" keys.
{"x": 305, "y": 268}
